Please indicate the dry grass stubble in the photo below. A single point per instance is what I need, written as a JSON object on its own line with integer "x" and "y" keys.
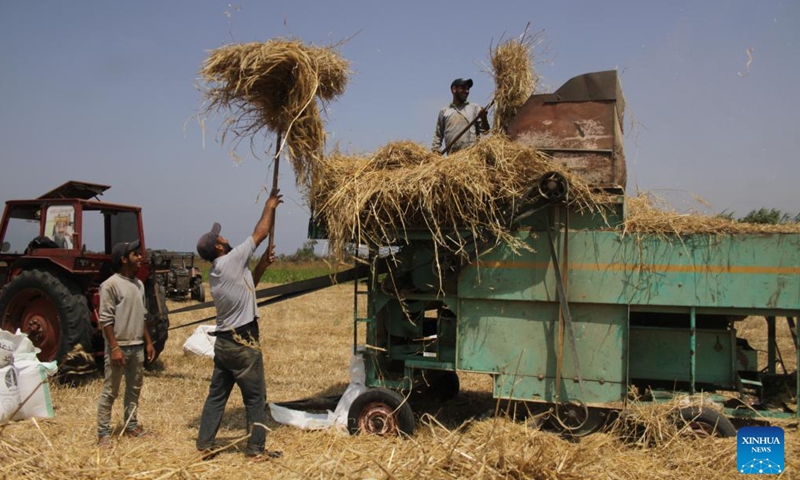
{"x": 307, "y": 347}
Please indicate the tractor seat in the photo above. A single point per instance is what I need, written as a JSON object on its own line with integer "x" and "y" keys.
{"x": 40, "y": 242}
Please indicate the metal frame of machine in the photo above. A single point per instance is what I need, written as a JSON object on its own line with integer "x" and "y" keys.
{"x": 586, "y": 314}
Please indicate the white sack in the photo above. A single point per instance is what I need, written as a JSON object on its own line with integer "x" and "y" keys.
{"x": 299, "y": 419}
{"x": 34, "y": 388}
{"x": 357, "y": 373}
{"x": 200, "y": 342}
{"x": 9, "y": 392}
{"x": 337, "y": 418}
{"x": 8, "y": 345}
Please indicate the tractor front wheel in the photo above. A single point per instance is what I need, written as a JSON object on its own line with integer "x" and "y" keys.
{"x": 380, "y": 412}
{"x": 157, "y": 318}
{"x": 53, "y": 312}
{"x": 198, "y": 293}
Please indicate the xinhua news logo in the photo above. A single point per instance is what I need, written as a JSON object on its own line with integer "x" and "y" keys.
{"x": 760, "y": 450}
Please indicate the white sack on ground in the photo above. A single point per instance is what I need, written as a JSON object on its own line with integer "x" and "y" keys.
{"x": 322, "y": 421}
{"x": 9, "y": 392}
{"x": 34, "y": 387}
{"x": 200, "y": 342}
{"x": 299, "y": 419}
{"x": 8, "y": 345}
{"x": 24, "y": 385}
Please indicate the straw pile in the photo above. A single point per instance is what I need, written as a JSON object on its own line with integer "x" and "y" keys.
{"x": 515, "y": 79}
{"x": 464, "y": 198}
{"x": 276, "y": 86}
{"x": 307, "y": 344}
{"x": 647, "y": 215}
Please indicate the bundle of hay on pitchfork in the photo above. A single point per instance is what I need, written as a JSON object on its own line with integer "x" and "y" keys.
{"x": 277, "y": 86}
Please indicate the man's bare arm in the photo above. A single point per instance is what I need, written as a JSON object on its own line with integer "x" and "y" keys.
{"x": 264, "y": 224}
{"x": 263, "y": 263}
{"x": 263, "y": 228}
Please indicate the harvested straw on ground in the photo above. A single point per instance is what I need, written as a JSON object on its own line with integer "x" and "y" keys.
{"x": 275, "y": 86}
{"x": 514, "y": 77}
{"x": 461, "y": 442}
{"x": 464, "y": 198}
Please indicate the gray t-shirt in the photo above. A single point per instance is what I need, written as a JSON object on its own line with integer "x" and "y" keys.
{"x": 451, "y": 121}
{"x": 122, "y": 303}
{"x": 232, "y": 287}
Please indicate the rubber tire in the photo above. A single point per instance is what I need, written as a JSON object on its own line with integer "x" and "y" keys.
{"x": 402, "y": 414}
{"x": 157, "y": 320}
{"x": 595, "y": 421}
{"x": 719, "y": 423}
{"x": 73, "y": 311}
{"x": 199, "y": 293}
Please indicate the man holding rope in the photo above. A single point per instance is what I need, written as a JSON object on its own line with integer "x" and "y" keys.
{"x": 237, "y": 351}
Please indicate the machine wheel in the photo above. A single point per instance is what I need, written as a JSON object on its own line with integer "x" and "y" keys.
{"x": 53, "y": 312}
{"x": 705, "y": 423}
{"x": 577, "y": 419}
{"x": 380, "y": 412}
{"x": 443, "y": 386}
{"x": 157, "y": 318}
{"x": 198, "y": 292}
{"x": 553, "y": 186}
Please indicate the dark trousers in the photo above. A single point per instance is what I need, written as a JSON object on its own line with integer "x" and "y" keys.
{"x": 236, "y": 364}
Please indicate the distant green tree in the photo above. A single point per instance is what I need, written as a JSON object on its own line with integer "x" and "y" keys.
{"x": 304, "y": 253}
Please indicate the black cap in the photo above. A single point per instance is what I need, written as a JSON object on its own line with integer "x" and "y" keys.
{"x": 207, "y": 243}
{"x": 122, "y": 249}
{"x": 467, "y": 82}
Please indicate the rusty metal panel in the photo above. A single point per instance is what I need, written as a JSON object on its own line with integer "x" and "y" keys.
{"x": 594, "y": 168}
{"x": 584, "y": 125}
{"x": 580, "y": 129}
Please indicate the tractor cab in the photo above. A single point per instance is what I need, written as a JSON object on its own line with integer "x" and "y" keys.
{"x": 56, "y": 251}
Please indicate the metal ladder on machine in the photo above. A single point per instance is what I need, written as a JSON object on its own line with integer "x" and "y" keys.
{"x": 362, "y": 292}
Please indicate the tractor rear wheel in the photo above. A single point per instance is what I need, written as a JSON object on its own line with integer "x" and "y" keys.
{"x": 380, "y": 411}
{"x": 54, "y": 314}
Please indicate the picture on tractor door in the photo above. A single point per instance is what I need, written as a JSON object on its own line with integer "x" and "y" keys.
{"x": 59, "y": 225}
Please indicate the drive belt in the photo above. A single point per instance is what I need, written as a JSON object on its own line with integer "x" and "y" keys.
{"x": 280, "y": 293}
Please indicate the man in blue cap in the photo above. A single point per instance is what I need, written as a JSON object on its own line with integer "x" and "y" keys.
{"x": 454, "y": 118}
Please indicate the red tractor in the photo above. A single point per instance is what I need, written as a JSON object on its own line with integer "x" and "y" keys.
{"x": 56, "y": 251}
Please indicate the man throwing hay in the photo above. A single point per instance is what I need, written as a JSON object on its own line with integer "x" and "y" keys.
{"x": 237, "y": 352}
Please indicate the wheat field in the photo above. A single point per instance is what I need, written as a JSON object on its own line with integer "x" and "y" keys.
{"x": 307, "y": 345}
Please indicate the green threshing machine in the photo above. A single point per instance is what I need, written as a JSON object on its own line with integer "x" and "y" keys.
{"x": 587, "y": 316}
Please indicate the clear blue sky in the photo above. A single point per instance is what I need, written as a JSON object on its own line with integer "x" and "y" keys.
{"x": 105, "y": 92}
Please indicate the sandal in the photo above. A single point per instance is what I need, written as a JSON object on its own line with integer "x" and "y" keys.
{"x": 136, "y": 432}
